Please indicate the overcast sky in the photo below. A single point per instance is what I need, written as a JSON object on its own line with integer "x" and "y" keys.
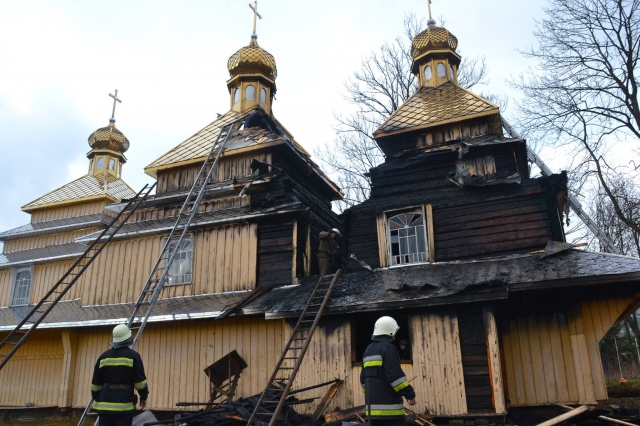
{"x": 59, "y": 60}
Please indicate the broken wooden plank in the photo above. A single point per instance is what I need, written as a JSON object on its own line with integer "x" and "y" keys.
{"x": 347, "y": 414}
{"x": 603, "y": 418}
{"x": 326, "y": 400}
{"x": 566, "y": 416}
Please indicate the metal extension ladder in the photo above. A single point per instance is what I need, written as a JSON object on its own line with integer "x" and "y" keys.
{"x": 159, "y": 274}
{"x": 38, "y": 313}
{"x": 274, "y": 395}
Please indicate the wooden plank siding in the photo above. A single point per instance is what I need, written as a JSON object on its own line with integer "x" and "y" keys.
{"x": 175, "y": 355}
{"x": 521, "y": 222}
{"x": 35, "y": 372}
{"x": 183, "y": 178}
{"x": 46, "y": 240}
{"x": 553, "y": 355}
{"x": 220, "y": 264}
{"x": 436, "y": 372}
{"x": 5, "y": 286}
{"x": 220, "y": 203}
{"x": 275, "y": 252}
{"x": 475, "y": 362}
{"x": 70, "y": 211}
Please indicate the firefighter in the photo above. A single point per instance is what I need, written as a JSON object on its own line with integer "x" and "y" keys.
{"x": 117, "y": 373}
{"x": 327, "y": 250}
{"x": 387, "y": 383}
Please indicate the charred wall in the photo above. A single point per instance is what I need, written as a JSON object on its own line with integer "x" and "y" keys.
{"x": 472, "y": 221}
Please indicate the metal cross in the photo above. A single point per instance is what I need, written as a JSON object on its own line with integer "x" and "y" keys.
{"x": 429, "y": 6}
{"x": 254, "y": 7}
{"x": 115, "y": 98}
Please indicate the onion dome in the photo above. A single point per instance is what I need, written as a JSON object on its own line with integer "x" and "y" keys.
{"x": 109, "y": 138}
{"x": 433, "y": 38}
{"x": 252, "y": 59}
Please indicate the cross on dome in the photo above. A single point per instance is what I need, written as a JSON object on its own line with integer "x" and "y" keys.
{"x": 113, "y": 111}
{"x": 254, "y": 7}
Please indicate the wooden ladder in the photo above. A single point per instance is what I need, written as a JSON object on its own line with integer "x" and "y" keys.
{"x": 160, "y": 272}
{"x": 274, "y": 395}
{"x": 38, "y": 313}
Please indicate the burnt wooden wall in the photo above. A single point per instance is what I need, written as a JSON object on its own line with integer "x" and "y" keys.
{"x": 275, "y": 252}
{"x": 468, "y": 222}
{"x": 475, "y": 364}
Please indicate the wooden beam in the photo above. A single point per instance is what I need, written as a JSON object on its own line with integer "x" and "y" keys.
{"x": 70, "y": 347}
{"x": 603, "y": 418}
{"x": 566, "y": 416}
{"x": 495, "y": 365}
{"x": 326, "y": 400}
{"x": 350, "y": 413}
{"x": 430, "y": 233}
{"x": 382, "y": 241}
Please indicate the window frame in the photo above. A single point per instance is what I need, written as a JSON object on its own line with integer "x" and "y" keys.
{"x": 14, "y": 277}
{"x": 263, "y": 95}
{"x": 389, "y": 216}
{"x": 424, "y": 73}
{"x": 246, "y": 93}
{"x": 441, "y": 66}
{"x": 191, "y": 238}
{"x": 98, "y": 166}
{"x": 236, "y": 96}
{"x": 384, "y": 235}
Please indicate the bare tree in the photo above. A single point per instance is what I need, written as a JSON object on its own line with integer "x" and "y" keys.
{"x": 382, "y": 84}
{"x": 584, "y": 91}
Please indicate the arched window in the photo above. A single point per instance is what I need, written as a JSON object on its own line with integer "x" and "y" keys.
{"x": 441, "y": 71}
{"x": 407, "y": 237}
{"x": 236, "y": 96}
{"x": 91, "y": 166}
{"x": 101, "y": 163}
{"x": 21, "y": 287}
{"x": 112, "y": 164}
{"x": 250, "y": 93}
{"x": 427, "y": 73}
{"x": 118, "y": 172}
{"x": 451, "y": 72}
{"x": 263, "y": 96}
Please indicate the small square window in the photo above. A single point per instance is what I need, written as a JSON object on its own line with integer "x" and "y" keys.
{"x": 21, "y": 290}
{"x": 362, "y": 331}
{"x": 181, "y": 269}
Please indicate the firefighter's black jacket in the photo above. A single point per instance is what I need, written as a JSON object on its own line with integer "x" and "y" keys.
{"x": 387, "y": 382}
{"x": 117, "y": 373}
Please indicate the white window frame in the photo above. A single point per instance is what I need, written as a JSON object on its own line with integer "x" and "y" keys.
{"x": 14, "y": 277}
{"x": 171, "y": 281}
{"x": 387, "y": 217}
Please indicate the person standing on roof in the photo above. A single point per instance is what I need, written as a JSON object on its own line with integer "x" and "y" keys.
{"x": 387, "y": 382}
{"x": 327, "y": 250}
{"x": 117, "y": 373}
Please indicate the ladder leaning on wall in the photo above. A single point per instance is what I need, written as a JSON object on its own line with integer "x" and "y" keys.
{"x": 41, "y": 309}
{"x": 273, "y": 398}
{"x": 159, "y": 274}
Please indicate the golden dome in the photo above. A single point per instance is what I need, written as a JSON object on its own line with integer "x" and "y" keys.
{"x": 252, "y": 59}
{"x": 109, "y": 138}
{"x": 433, "y": 38}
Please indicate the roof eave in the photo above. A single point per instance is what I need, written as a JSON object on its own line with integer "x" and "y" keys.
{"x": 379, "y": 135}
{"x": 64, "y": 203}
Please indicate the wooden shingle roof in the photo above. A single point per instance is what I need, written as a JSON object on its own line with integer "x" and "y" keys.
{"x": 434, "y": 106}
{"x": 86, "y": 188}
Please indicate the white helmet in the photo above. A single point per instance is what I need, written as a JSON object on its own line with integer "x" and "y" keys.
{"x": 121, "y": 333}
{"x": 385, "y": 326}
{"x": 336, "y": 231}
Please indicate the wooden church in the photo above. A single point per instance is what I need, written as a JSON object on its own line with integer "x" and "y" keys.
{"x": 449, "y": 231}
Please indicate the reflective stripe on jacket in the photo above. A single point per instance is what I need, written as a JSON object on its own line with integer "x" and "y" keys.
{"x": 116, "y": 374}
{"x": 387, "y": 382}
